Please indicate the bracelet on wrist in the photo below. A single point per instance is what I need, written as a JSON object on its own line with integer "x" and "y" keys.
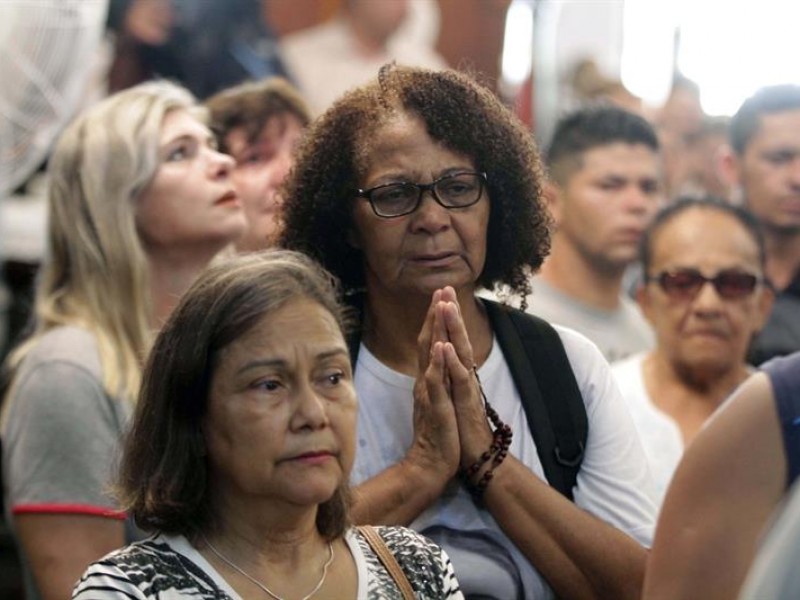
{"x": 494, "y": 456}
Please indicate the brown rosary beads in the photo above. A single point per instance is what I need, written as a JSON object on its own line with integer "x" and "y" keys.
{"x": 497, "y": 452}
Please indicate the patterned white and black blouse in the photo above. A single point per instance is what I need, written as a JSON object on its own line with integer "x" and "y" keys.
{"x": 169, "y": 568}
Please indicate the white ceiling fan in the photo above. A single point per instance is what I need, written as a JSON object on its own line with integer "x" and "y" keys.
{"x": 46, "y": 49}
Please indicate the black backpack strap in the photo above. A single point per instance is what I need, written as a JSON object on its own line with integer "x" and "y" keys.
{"x": 550, "y": 395}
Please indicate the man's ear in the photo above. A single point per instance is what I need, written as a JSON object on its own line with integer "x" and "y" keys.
{"x": 730, "y": 167}
{"x": 553, "y": 197}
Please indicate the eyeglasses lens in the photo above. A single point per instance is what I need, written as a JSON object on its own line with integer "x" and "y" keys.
{"x": 730, "y": 285}
{"x": 451, "y": 191}
{"x": 735, "y": 285}
{"x": 396, "y": 199}
{"x": 463, "y": 189}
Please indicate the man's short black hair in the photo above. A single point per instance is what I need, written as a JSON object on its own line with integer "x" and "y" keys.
{"x": 590, "y": 128}
{"x": 767, "y": 100}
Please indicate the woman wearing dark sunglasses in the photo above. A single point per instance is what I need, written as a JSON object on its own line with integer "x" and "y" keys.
{"x": 705, "y": 295}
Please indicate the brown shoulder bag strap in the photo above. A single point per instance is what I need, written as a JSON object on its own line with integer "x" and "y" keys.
{"x": 378, "y": 546}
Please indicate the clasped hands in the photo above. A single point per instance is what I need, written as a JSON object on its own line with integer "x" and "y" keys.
{"x": 451, "y": 430}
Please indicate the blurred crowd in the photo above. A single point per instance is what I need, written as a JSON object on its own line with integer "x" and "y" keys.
{"x": 320, "y": 316}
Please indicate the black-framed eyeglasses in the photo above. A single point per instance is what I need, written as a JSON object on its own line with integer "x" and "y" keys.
{"x": 455, "y": 190}
{"x": 685, "y": 284}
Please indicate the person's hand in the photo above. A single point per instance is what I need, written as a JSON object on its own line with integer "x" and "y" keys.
{"x": 149, "y": 21}
{"x": 475, "y": 435}
{"x": 436, "y": 444}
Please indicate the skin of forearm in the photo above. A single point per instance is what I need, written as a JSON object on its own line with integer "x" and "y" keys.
{"x": 60, "y": 547}
{"x": 729, "y": 482}
{"x": 396, "y": 496}
{"x": 579, "y": 555}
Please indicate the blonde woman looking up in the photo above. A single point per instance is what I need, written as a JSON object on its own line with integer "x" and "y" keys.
{"x": 140, "y": 202}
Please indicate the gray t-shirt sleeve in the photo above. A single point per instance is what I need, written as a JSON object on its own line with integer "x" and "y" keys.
{"x": 61, "y": 441}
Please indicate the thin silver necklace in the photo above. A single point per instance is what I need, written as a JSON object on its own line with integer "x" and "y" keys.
{"x": 255, "y": 581}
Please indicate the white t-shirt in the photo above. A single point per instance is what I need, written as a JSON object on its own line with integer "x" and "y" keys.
{"x": 613, "y": 484}
{"x": 660, "y": 435}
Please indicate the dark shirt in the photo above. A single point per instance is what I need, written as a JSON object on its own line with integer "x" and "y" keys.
{"x": 781, "y": 334}
{"x": 784, "y": 373}
{"x": 213, "y": 44}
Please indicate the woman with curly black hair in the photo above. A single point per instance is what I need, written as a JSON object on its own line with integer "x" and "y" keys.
{"x": 418, "y": 190}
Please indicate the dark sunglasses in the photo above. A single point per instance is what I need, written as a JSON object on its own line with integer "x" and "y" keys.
{"x": 685, "y": 284}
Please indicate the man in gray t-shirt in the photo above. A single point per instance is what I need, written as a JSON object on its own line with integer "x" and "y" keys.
{"x": 605, "y": 188}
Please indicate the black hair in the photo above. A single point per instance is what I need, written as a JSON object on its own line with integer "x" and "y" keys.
{"x": 767, "y": 100}
{"x": 594, "y": 126}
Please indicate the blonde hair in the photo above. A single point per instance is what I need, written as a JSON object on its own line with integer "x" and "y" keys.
{"x": 96, "y": 273}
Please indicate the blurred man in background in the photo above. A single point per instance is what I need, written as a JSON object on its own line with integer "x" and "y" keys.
{"x": 765, "y": 163}
{"x": 606, "y": 186}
